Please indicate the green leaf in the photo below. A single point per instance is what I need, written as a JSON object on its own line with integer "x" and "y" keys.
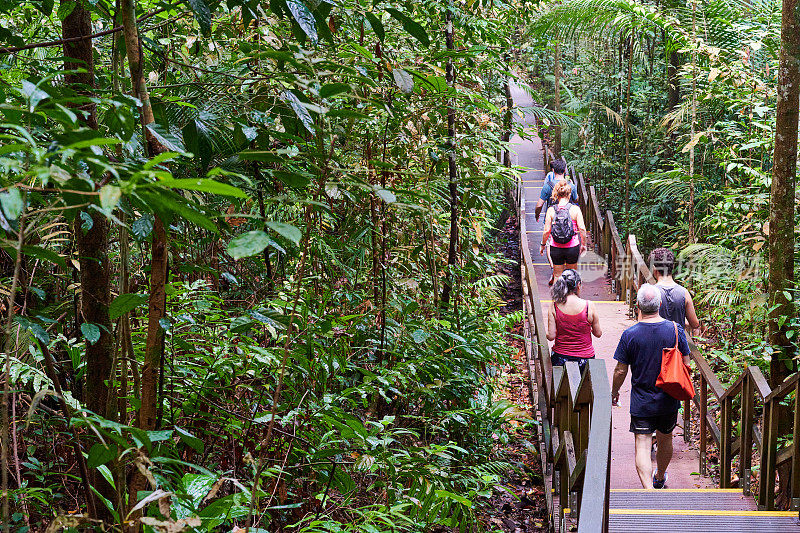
{"x": 248, "y": 244}
{"x": 286, "y": 230}
{"x": 203, "y": 185}
{"x": 403, "y": 80}
{"x": 33, "y": 93}
{"x": 386, "y": 195}
{"x": 11, "y": 202}
{"x": 125, "y": 303}
{"x": 304, "y": 18}
{"x": 190, "y": 440}
{"x": 160, "y": 158}
{"x": 142, "y": 227}
{"x": 202, "y": 14}
{"x": 455, "y": 497}
{"x": 299, "y": 109}
{"x": 44, "y": 254}
{"x": 332, "y": 89}
{"x": 37, "y": 330}
{"x": 109, "y": 197}
{"x": 410, "y": 25}
{"x": 100, "y": 454}
{"x": 91, "y": 332}
{"x": 292, "y": 179}
{"x": 166, "y": 138}
{"x": 376, "y": 25}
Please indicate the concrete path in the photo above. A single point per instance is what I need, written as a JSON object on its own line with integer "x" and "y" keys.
{"x": 613, "y": 319}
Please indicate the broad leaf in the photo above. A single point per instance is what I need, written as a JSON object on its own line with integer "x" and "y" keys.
{"x": 376, "y": 25}
{"x": 125, "y": 303}
{"x": 410, "y": 25}
{"x": 286, "y": 230}
{"x": 142, "y": 227}
{"x": 202, "y": 15}
{"x": 299, "y": 109}
{"x": 11, "y": 202}
{"x": 304, "y": 18}
{"x": 203, "y": 185}
{"x": 248, "y": 244}
{"x": 403, "y": 80}
{"x": 91, "y": 332}
{"x": 109, "y": 197}
{"x": 100, "y": 454}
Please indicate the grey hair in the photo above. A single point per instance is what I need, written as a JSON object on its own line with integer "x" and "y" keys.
{"x": 648, "y": 299}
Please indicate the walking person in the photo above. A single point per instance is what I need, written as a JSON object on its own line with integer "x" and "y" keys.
{"x": 652, "y": 410}
{"x": 558, "y": 172}
{"x": 564, "y": 231}
{"x": 676, "y": 301}
{"x": 571, "y": 322}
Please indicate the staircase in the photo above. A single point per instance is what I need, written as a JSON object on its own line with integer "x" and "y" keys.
{"x": 694, "y": 511}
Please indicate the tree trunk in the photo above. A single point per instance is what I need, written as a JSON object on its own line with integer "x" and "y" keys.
{"x": 508, "y": 118}
{"x": 673, "y": 83}
{"x": 452, "y": 253}
{"x": 628, "y": 131}
{"x": 92, "y": 247}
{"x": 781, "y": 215}
{"x": 557, "y": 99}
{"x": 690, "y": 207}
{"x": 154, "y": 345}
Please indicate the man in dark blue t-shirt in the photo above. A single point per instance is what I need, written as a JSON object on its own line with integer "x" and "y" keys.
{"x": 652, "y": 410}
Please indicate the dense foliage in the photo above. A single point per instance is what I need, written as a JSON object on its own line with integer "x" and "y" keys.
{"x": 321, "y": 362}
{"x": 695, "y": 85}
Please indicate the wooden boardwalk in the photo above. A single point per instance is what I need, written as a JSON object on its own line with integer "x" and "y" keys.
{"x": 691, "y": 502}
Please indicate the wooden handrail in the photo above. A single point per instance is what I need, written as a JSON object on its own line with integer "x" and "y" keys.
{"x": 574, "y": 412}
{"x": 629, "y": 271}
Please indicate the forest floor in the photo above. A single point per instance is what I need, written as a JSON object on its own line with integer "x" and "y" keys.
{"x": 519, "y": 506}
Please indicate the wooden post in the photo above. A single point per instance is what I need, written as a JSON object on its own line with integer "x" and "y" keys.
{"x": 703, "y": 401}
{"x": 769, "y": 452}
{"x": 795, "y": 490}
{"x": 726, "y": 436}
{"x": 746, "y": 431}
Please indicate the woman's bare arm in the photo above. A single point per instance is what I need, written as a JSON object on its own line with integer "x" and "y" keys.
{"x": 581, "y": 228}
{"x": 594, "y": 320}
{"x": 551, "y": 323}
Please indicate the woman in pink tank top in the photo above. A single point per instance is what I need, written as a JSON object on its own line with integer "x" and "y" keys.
{"x": 571, "y": 322}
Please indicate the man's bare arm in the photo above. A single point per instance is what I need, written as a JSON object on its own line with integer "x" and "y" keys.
{"x": 539, "y": 205}
{"x": 691, "y": 315}
{"x": 620, "y": 373}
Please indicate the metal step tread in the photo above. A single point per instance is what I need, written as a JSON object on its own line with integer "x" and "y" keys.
{"x": 636, "y": 523}
{"x": 677, "y": 499}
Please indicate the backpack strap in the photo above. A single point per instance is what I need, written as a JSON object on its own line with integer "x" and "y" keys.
{"x": 676, "y": 334}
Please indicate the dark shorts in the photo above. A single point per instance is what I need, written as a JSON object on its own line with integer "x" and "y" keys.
{"x": 645, "y": 425}
{"x": 561, "y": 256}
{"x": 558, "y": 359}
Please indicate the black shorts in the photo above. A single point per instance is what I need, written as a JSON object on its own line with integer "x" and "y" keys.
{"x": 645, "y": 425}
{"x": 561, "y": 256}
{"x": 558, "y": 359}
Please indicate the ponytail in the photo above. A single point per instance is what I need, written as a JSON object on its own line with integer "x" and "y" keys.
{"x": 564, "y": 285}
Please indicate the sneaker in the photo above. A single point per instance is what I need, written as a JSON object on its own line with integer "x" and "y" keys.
{"x": 659, "y": 483}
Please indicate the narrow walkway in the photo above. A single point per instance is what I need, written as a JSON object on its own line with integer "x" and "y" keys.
{"x": 613, "y": 319}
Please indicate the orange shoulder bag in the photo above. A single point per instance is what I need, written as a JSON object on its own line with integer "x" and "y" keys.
{"x": 674, "y": 378}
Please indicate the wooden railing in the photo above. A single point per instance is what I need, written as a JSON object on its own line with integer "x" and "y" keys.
{"x": 574, "y": 412}
{"x": 628, "y": 271}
